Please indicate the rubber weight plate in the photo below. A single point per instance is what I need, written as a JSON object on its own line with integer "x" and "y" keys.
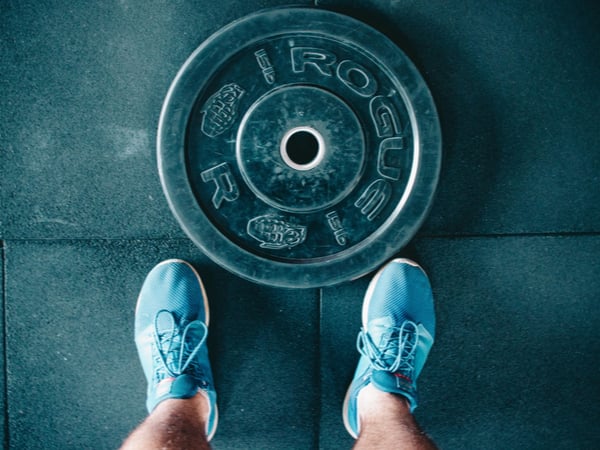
{"x": 299, "y": 147}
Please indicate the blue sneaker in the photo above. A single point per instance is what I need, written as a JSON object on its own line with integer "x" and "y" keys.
{"x": 171, "y": 325}
{"x": 398, "y": 326}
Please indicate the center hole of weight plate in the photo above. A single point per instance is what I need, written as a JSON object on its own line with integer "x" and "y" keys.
{"x": 302, "y": 148}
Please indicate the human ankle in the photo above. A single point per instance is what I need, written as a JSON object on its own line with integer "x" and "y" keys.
{"x": 375, "y": 405}
{"x": 203, "y": 405}
{"x": 198, "y": 405}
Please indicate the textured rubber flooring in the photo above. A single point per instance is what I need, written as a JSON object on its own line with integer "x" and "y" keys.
{"x": 512, "y": 244}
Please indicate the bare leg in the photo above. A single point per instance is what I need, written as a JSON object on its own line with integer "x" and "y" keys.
{"x": 386, "y": 423}
{"x": 174, "y": 424}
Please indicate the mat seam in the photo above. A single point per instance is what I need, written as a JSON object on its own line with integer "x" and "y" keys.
{"x": 6, "y": 440}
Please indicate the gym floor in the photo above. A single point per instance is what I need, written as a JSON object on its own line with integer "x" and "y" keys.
{"x": 512, "y": 244}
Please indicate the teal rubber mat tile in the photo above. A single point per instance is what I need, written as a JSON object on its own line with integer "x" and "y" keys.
{"x": 515, "y": 363}
{"x": 517, "y": 94}
{"x": 82, "y": 87}
{"x": 74, "y": 379}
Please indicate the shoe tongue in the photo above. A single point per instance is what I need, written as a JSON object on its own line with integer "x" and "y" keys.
{"x": 380, "y": 328}
{"x": 391, "y": 382}
{"x": 183, "y": 387}
{"x": 396, "y": 383}
{"x": 165, "y": 322}
{"x": 385, "y": 321}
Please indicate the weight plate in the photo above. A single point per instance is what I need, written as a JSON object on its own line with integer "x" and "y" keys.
{"x": 299, "y": 147}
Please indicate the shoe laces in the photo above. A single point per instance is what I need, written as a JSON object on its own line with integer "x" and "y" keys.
{"x": 396, "y": 350}
{"x": 174, "y": 360}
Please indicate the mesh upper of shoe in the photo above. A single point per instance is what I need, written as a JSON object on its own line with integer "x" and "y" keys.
{"x": 170, "y": 331}
{"x": 402, "y": 292}
{"x": 174, "y": 286}
{"x": 170, "y": 301}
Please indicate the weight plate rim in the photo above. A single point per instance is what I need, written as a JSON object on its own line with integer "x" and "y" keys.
{"x": 324, "y": 271}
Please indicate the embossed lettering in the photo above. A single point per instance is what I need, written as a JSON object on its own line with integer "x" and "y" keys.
{"x": 265, "y": 64}
{"x": 275, "y": 233}
{"x": 357, "y": 78}
{"x": 384, "y": 116}
{"x": 220, "y": 109}
{"x": 374, "y": 198}
{"x": 227, "y": 188}
{"x": 316, "y": 57}
{"x": 389, "y": 158}
{"x": 334, "y": 222}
